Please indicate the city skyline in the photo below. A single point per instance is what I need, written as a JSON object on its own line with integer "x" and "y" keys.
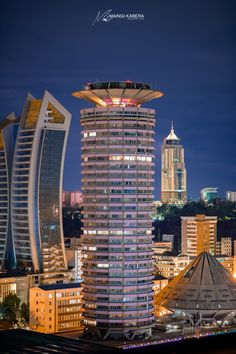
{"x": 194, "y": 68}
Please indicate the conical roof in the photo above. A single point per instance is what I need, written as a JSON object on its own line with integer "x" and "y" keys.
{"x": 203, "y": 286}
{"x": 172, "y": 135}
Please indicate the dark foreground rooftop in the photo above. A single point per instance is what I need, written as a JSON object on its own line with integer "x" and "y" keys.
{"x": 21, "y": 342}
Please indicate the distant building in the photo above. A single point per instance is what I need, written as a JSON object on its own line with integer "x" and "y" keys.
{"x": 169, "y": 264}
{"x": 231, "y": 196}
{"x": 55, "y": 308}
{"x": 162, "y": 246}
{"x": 37, "y": 172}
{"x": 198, "y": 234}
{"x": 207, "y": 195}
{"x": 173, "y": 171}
{"x": 224, "y": 246}
{"x": 167, "y": 237}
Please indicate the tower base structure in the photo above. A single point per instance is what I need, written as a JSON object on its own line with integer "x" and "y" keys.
{"x": 130, "y": 333}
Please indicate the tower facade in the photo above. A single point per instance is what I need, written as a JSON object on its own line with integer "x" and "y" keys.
{"x": 37, "y": 183}
{"x": 118, "y": 182}
{"x": 7, "y": 137}
{"x": 173, "y": 171}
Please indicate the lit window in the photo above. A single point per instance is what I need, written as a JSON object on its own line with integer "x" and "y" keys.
{"x": 92, "y": 134}
{"x": 103, "y": 265}
{"x": 92, "y": 248}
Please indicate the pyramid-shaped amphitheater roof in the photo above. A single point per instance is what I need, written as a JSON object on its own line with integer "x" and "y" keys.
{"x": 204, "y": 286}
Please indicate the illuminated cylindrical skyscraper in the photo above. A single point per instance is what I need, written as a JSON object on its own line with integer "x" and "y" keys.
{"x": 118, "y": 183}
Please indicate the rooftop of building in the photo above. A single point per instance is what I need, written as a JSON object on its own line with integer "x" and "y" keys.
{"x": 204, "y": 285}
{"x": 118, "y": 93}
{"x": 20, "y": 341}
{"x": 159, "y": 277}
{"x": 12, "y": 274}
{"x": 172, "y": 137}
{"x": 59, "y": 286}
{"x": 172, "y": 254}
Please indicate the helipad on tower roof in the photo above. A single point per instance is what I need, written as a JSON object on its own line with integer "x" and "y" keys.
{"x": 118, "y": 93}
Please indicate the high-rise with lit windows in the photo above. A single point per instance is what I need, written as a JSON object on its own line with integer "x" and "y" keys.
{"x": 173, "y": 171}
{"x": 37, "y": 184}
{"x": 118, "y": 182}
{"x": 198, "y": 234}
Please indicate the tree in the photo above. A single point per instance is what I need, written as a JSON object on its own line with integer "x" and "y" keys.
{"x": 8, "y": 310}
{"x": 24, "y": 312}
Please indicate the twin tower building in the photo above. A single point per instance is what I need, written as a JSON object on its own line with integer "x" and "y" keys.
{"x": 118, "y": 142}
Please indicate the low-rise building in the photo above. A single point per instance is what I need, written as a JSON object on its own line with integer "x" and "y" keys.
{"x": 162, "y": 246}
{"x": 19, "y": 284}
{"x": 170, "y": 264}
{"x": 55, "y": 308}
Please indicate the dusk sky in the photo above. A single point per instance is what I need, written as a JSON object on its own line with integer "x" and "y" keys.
{"x": 187, "y": 49}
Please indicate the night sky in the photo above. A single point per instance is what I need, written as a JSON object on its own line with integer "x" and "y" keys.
{"x": 185, "y": 48}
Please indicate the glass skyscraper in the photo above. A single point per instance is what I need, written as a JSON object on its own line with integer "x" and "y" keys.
{"x": 36, "y": 191}
{"x": 118, "y": 183}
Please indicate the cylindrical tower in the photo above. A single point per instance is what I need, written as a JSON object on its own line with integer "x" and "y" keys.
{"x": 118, "y": 183}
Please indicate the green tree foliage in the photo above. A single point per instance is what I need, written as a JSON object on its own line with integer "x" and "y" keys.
{"x": 24, "y": 312}
{"x": 9, "y": 308}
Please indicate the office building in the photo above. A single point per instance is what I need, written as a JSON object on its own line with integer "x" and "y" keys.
{"x": 208, "y": 195}
{"x": 204, "y": 292}
{"x": 37, "y": 173}
{"x": 198, "y": 234}
{"x": 231, "y": 196}
{"x": 173, "y": 171}
{"x": 55, "y": 308}
{"x": 224, "y": 246}
{"x": 118, "y": 181}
